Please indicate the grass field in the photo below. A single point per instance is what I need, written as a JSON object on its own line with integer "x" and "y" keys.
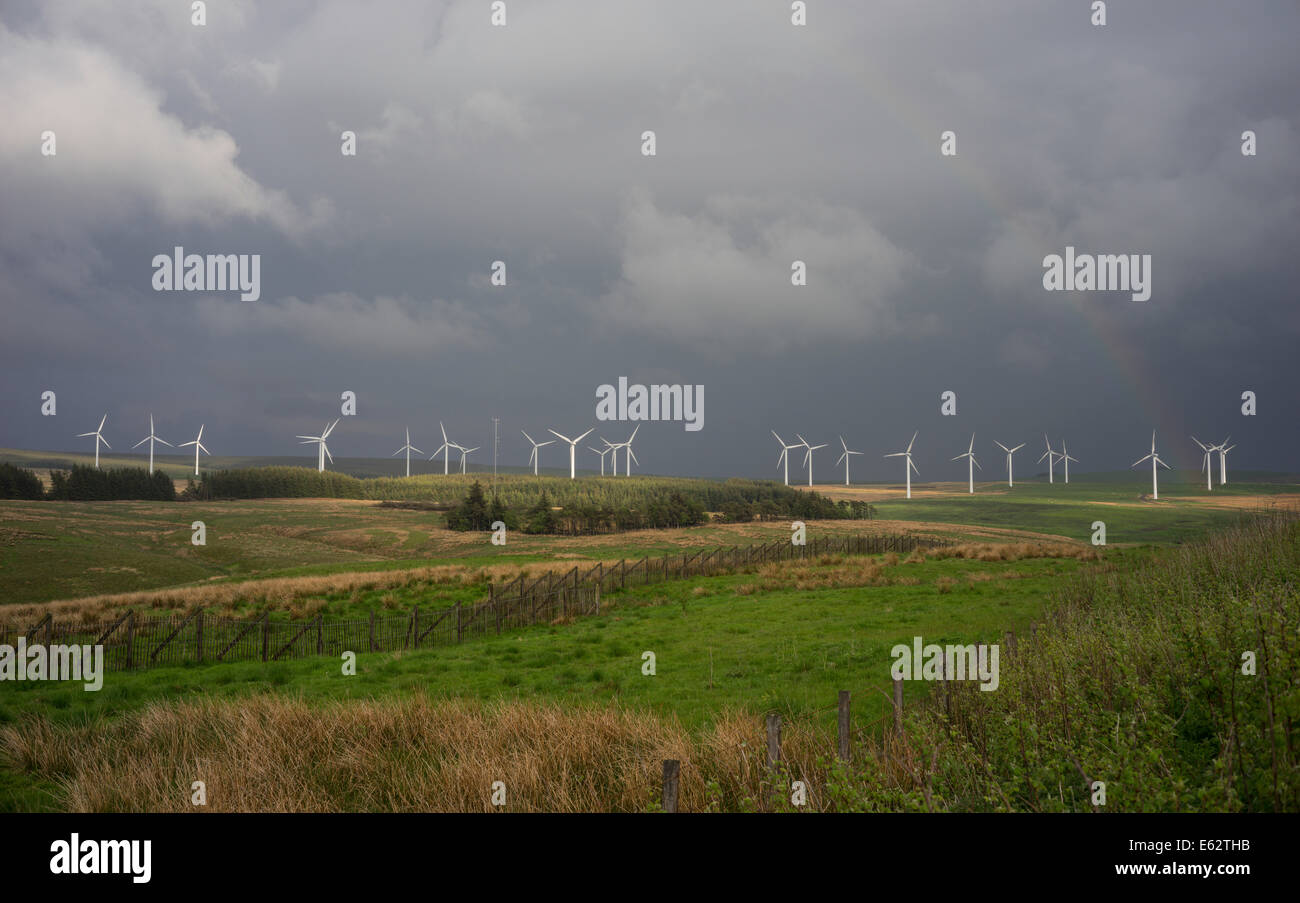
{"x": 782, "y": 637}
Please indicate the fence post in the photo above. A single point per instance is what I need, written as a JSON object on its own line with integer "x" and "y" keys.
{"x": 844, "y": 725}
{"x": 458, "y": 623}
{"x": 266, "y": 634}
{"x": 672, "y": 774}
{"x": 130, "y": 640}
{"x": 415, "y": 627}
{"x": 372, "y": 630}
{"x": 198, "y": 633}
{"x": 320, "y": 634}
{"x": 898, "y": 706}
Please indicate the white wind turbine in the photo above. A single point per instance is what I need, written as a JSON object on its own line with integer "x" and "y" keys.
{"x": 408, "y": 448}
{"x": 845, "y": 458}
{"x": 1155, "y": 459}
{"x": 198, "y": 446}
{"x": 1207, "y": 462}
{"x": 1224, "y": 448}
{"x": 444, "y": 449}
{"x": 533, "y": 458}
{"x": 971, "y": 464}
{"x": 608, "y": 448}
{"x": 99, "y": 437}
{"x": 573, "y": 449}
{"x": 910, "y": 466}
{"x": 783, "y": 460}
{"x": 322, "y": 452}
{"x": 628, "y": 455}
{"x": 464, "y": 453}
{"x": 1010, "y": 452}
{"x": 807, "y": 456}
{"x": 1051, "y": 457}
{"x": 1065, "y": 456}
{"x": 151, "y": 439}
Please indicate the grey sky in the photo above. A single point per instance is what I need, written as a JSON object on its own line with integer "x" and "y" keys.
{"x": 774, "y": 143}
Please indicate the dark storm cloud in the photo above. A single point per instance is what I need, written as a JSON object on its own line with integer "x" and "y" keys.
{"x": 774, "y": 143}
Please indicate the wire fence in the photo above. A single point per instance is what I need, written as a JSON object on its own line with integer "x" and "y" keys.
{"x": 138, "y": 641}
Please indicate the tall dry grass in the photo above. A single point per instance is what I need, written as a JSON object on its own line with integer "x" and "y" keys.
{"x": 274, "y": 754}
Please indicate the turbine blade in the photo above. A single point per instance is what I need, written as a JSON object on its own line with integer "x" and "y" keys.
{"x": 561, "y": 435}
{"x": 142, "y": 442}
{"x": 165, "y": 442}
{"x": 528, "y": 437}
{"x": 914, "y": 435}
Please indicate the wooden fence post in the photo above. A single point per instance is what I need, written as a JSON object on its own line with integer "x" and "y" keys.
{"x": 266, "y": 634}
{"x": 198, "y": 634}
{"x": 130, "y": 640}
{"x": 372, "y": 630}
{"x": 415, "y": 627}
{"x": 844, "y": 725}
{"x": 459, "y": 628}
{"x": 898, "y": 706}
{"x": 320, "y": 634}
{"x": 672, "y": 774}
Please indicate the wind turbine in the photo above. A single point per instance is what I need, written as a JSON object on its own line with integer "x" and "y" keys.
{"x": 444, "y": 449}
{"x": 198, "y": 445}
{"x": 99, "y": 437}
{"x": 408, "y": 448}
{"x": 910, "y": 466}
{"x": 608, "y": 448}
{"x": 971, "y": 464}
{"x": 1010, "y": 452}
{"x": 845, "y": 458}
{"x": 1065, "y": 456}
{"x": 533, "y": 458}
{"x": 323, "y": 451}
{"x": 1206, "y": 464}
{"x": 151, "y": 439}
{"x": 1155, "y": 459}
{"x": 628, "y": 456}
{"x": 1051, "y": 457}
{"x": 573, "y": 449}
{"x": 464, "y": 453}
{"x": 783, "y": 459}
{"x": 807, "y": 457}
{"x": 1224, "y": 448}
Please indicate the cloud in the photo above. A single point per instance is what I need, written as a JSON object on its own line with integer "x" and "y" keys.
{"x": 722, "y": 277}
{"x": 383, "y": 326}
{"x": 119, "y": 153}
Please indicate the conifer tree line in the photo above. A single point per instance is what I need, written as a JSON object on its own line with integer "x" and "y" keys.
{"x": 533, "y": 504}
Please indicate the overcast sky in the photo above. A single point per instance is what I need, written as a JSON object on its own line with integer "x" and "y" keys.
{"x": 774, "y": 143}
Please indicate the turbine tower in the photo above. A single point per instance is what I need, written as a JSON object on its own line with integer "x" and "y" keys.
{"x": 628, "y": 456}
{"x": 807, "y": 456}
{"x": 408, "y": 448}
{"x": 1206, "y": 462}
{"x": 533, "y": 458}
{"x": 573, "y": 449}
{"x": 1155, "y": 459}
{"x": 1065, "y": 456}
{"x": 608, "y": 448}
{"x": 464, "y": 453}
{"x": 783, "y": 460}
{"x": 1224, "y": 448}
{"x": 910, "y": 466}
{"x": 322, "y": 452}
{"x": 1010, "y": 452}
{"x": 198, "y": 446}
{"x": 845, "y": 458}
{"x": 99, "y": 437}
{"x": 1051, "y": 457}
{"x": 151, "y": 439}
{"x": 444, "y": 449}
{"x": 971, "y": 463}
